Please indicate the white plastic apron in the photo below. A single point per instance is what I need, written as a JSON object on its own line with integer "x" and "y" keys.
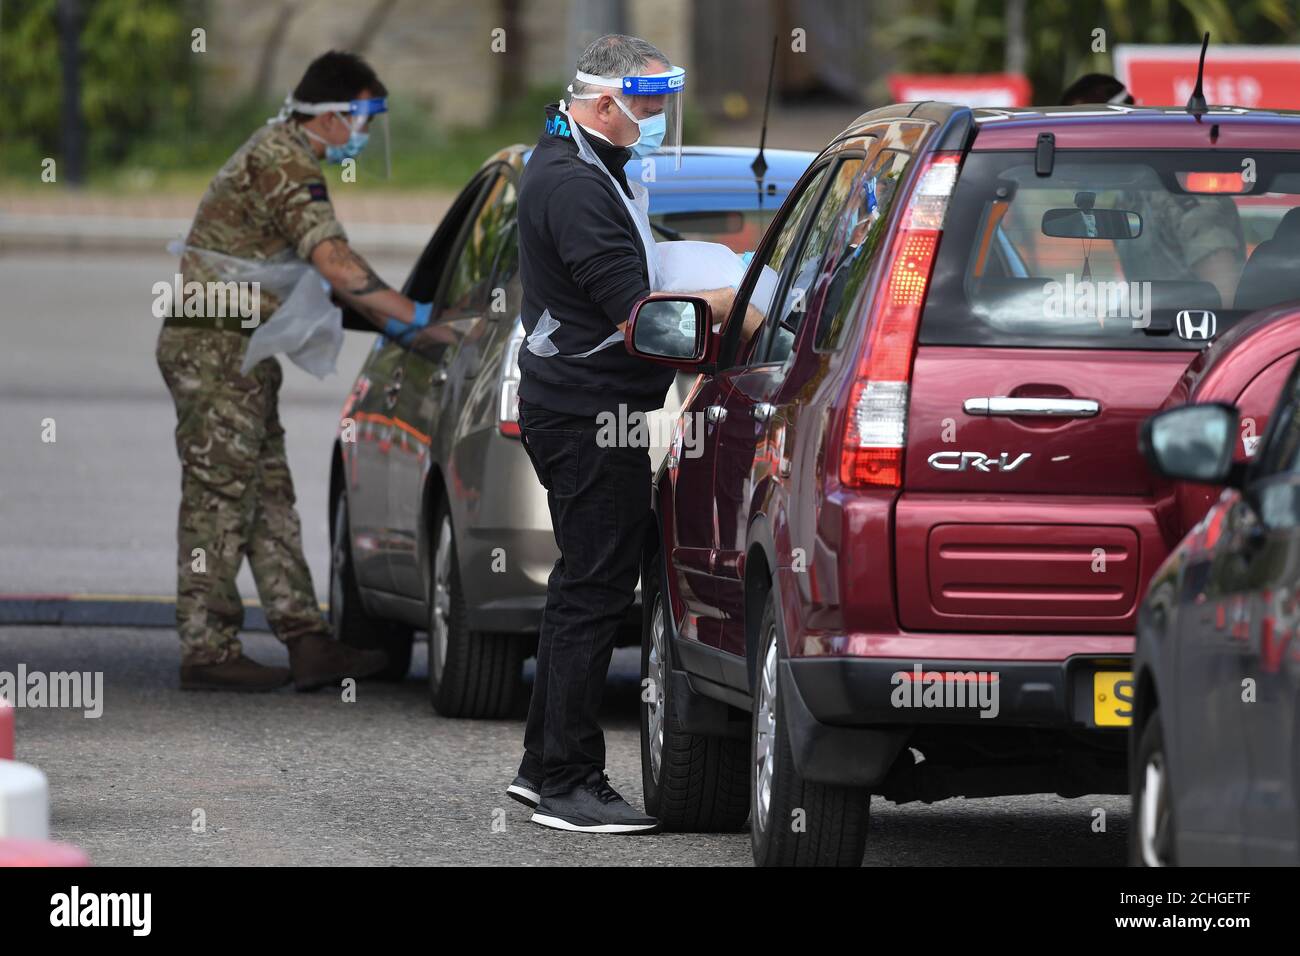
{"x": 307, "y": 327}
{"x": 539, "y": 342}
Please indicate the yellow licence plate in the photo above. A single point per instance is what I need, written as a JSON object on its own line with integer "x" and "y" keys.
{"x": 1112, "y": 698}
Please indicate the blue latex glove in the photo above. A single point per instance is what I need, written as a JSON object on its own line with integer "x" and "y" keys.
{"x": 405, "y": 332}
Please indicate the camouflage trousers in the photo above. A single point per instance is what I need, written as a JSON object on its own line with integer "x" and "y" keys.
{"x": 237, "y": 496}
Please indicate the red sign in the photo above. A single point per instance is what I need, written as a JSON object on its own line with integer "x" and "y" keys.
{"x": 1256, "y": 76}
{"x": 970, "y": 89}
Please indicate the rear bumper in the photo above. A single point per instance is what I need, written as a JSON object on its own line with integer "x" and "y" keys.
{"x": 848, "y": 719}
{"x": 874, "y": 692}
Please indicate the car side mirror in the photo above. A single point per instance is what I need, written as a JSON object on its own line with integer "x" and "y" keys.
{"x": 671, "y": 329}
{"x": 1193, "y": 443}
{"x": 1276, "y": 500}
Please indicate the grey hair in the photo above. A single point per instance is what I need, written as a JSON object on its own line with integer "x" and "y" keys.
{"x": 615, "y": 55}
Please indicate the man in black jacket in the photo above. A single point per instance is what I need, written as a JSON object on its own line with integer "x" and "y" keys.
{"x": 586, "y": 256}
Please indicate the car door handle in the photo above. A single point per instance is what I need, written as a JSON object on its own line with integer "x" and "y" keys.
{"x": 1050, "y": 407}
{"x": 715, "y": 413}
{"x": 762, "y": 411}
{"x": 393, "y": 387}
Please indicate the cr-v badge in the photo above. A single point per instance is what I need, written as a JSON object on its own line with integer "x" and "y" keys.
{"x": 966, "y": 460}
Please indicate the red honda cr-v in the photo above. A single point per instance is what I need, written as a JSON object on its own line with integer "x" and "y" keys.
{"x": 904, "y": 525}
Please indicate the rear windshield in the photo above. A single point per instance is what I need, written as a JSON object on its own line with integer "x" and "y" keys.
{"x": 1114, "y": 249}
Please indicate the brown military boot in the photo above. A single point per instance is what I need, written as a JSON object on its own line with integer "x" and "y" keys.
{"x": 239, "y": 674}
{"x": 317, "y": 660}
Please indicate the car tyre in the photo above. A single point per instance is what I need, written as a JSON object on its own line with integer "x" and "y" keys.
{"x": 349, "y": 622}
{"x": 793, "y": 821}
{"x": 471, "y": 673}
{"x": 1151, "y": 840}
{"x": 691, "y": 782}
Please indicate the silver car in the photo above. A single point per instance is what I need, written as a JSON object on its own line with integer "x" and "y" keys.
{"x": 438, "y": 522}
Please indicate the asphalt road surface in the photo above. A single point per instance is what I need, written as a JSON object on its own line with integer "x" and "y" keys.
{"x": 289, "y": 778}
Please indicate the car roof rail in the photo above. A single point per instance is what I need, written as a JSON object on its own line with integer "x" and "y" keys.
{"x": 892, "y": 111}
{"x": 933, "y": 110}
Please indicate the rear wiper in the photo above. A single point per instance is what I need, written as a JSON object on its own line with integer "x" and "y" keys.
{"x": 1158, "y": 326}
{"x": 670, "y": 234}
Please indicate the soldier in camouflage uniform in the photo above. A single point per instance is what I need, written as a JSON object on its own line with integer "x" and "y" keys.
{"x": 269, "y": 200}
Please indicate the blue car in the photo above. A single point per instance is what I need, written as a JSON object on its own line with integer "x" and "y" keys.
{"x": 438, "y": 522}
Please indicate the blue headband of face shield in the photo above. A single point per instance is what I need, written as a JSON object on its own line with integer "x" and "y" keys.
{"x": 652, "y": 84}
{"x": 357, "y": 113}
{"x": 367, "y": 107}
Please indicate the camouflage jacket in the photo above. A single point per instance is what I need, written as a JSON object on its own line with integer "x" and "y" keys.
{"x": 269, "y": 198}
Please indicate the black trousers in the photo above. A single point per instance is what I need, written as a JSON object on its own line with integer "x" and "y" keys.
{"x": 599, "y": 500}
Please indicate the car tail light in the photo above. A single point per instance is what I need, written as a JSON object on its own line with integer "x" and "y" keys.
{"x": 875, "y": 432}
{"x": 1221, "y": 183}
{"x": 508, "y": 401}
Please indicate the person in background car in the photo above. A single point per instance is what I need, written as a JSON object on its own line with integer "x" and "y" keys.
{"x": 1196, "y": 236}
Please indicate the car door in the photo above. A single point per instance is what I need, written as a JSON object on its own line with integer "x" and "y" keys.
{"x": 1237, "y": 663}
{"x": 1269, "y": 556}
{"x": 373, "y": 399}
{"x": 434, "y": 374}
{"x": 1209, "y": 767}
{"x": 694, "y": 504}
{"x": 794, "y": 385}
{"x": 767, "y": 381}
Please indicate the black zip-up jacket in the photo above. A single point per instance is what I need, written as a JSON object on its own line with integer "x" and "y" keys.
{"x": 581, "y": 259}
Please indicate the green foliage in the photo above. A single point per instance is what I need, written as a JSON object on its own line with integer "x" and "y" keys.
{"x": 427, "y": 153}
{"x": 148, "y": 127}
{"x": 137, "y": 77}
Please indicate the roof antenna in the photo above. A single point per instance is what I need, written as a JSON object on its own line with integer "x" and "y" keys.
{"x": 1196, "y": 104}
{"x": 759, "y": 165}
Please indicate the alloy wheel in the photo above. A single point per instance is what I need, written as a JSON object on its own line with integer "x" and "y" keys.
{"x": 1154, "y": 833}
{"x": 656, "y": 670}
{"x": 338, "y": 562}
{"x": 440, "y": 605}
{"x": 765, "y": 734}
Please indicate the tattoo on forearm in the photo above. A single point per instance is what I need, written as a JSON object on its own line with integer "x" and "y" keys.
{"x": 372, "y": 284}
{"x": 369, "y": 282}
{"x": 342, "y": 258}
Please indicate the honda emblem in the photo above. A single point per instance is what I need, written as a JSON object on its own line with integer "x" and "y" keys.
{"x": 1197, "y": 324}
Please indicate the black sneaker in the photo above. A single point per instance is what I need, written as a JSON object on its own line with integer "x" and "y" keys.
{"x": 592, "y": 807}
{"x": 525, "y": 791}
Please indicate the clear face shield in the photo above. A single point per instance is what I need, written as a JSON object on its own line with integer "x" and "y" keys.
{"x": 653, "y": 102}
{"x": 367, "y": 149}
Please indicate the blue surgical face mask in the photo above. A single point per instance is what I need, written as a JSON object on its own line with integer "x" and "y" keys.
{"x": 652, "y": 130}
{"x": 356, "y": 143}
{"x": 338, "y": 153}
